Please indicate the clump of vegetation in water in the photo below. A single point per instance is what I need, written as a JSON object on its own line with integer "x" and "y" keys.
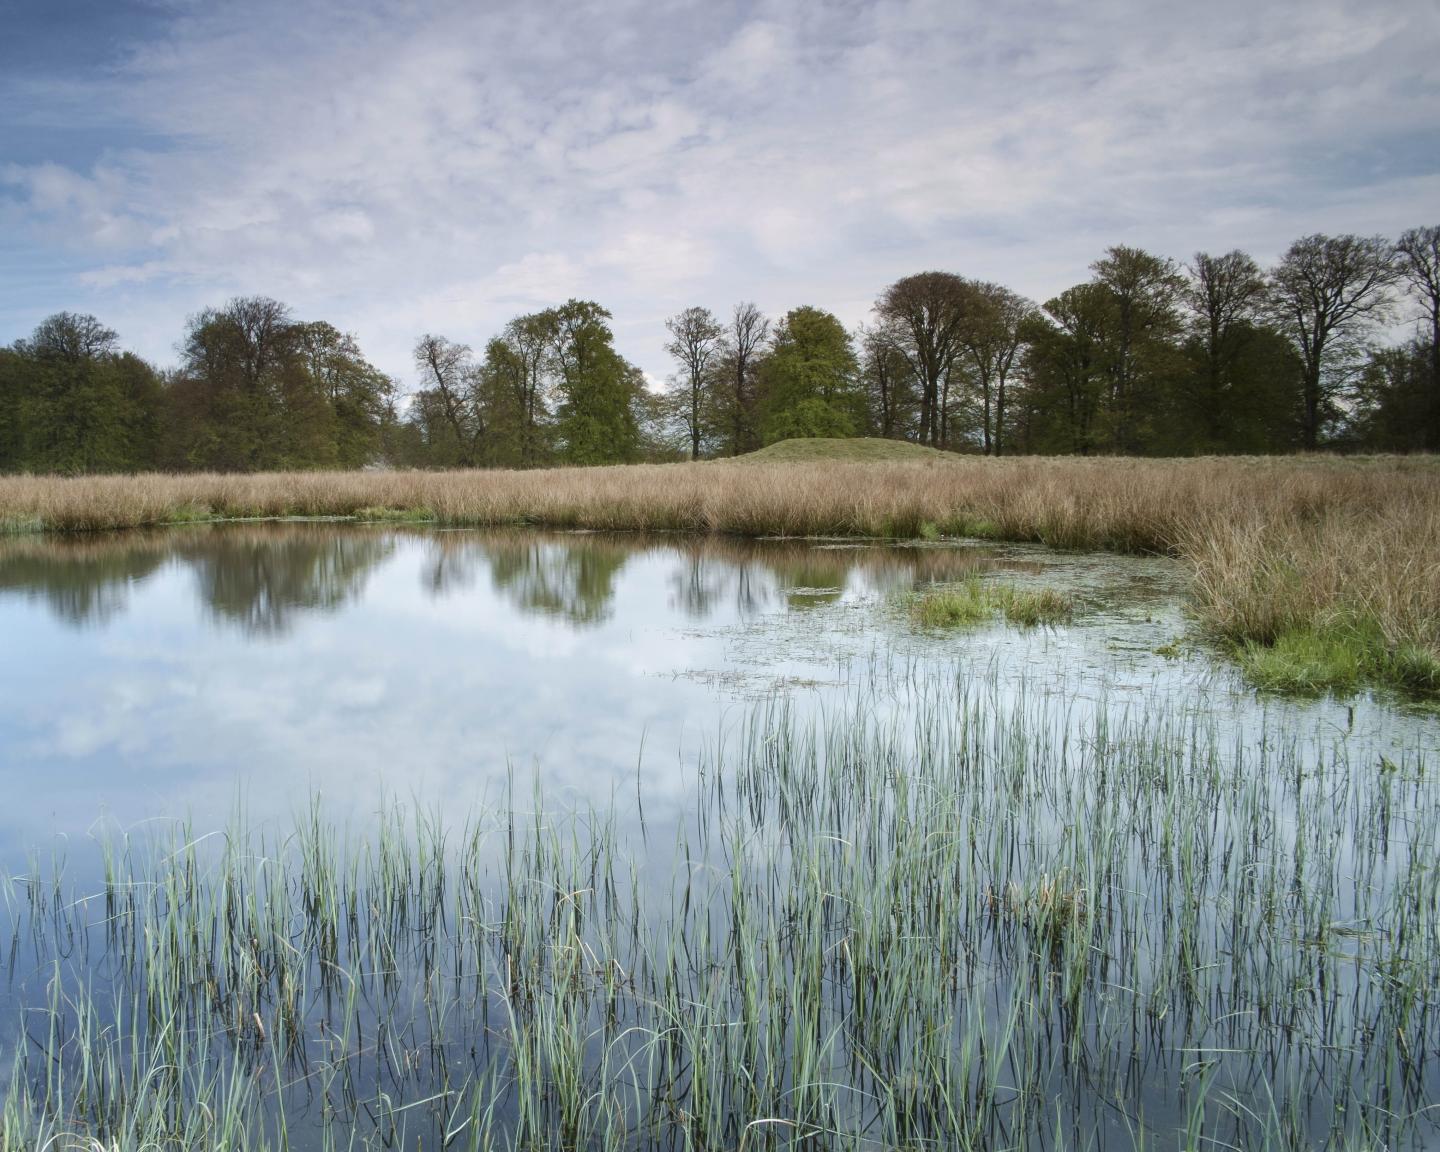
{"x": 1338, "y": 659}
{"x": 974, "y": 601}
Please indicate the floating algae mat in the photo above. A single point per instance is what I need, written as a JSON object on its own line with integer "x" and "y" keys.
{"x": 322, "y": 836}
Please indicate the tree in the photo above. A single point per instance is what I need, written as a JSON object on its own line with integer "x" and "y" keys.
{"x": 1067, "y": 368}
{"x": 447, "y": 401}
{"x": 230, "y": 397}
{"x": 599, "y": 391}
{"x": 810, "y": 379}
{"x": 741, "y": 360}
{"x": 1394, "y": 398}
{"x": 529, "y": 339}
{"x": 1327, "y": 294}
{"x": 889, "y": 383}
{"x": 924, "y": 314}
{"x": 75, "y": 403}
{"x": 696, "y": 340}
{"x": 74, "y": 337}
{"x": 991, "y": 336}
{"x": 12, "y": 429}
{"x": 1418, "y": 254}
{"x": 357, "y": 395}
{"x": 1144, "y": 291}
{"x": 1225, "y": 297}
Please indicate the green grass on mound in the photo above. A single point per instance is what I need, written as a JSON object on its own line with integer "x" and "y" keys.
{"x": 855, "y": 448}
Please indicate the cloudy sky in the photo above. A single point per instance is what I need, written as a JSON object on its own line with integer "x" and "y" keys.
{"x": 401, "y": 167}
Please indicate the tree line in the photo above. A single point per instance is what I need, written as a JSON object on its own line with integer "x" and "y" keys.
{"x": 1147, "y": 356}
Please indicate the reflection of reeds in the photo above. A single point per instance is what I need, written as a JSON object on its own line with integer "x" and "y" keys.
{"x": 924, "y": 921}
{"x": 1275, "y": 544}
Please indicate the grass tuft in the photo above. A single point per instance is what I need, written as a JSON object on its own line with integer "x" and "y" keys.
{"x": 962, "y": 605}
{"x": 1339, "y": 658}
{"x": 1030, "y": 607}
{"x": 974, "y": 601}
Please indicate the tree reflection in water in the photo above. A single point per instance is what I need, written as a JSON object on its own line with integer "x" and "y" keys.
{"x": 257, "y": 576}
{"x": 262, "y": 577}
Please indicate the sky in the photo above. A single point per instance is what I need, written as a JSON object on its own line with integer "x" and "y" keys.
{"x": 398, "y": 167}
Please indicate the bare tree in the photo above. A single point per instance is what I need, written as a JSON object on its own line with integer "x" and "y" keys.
{"x": 1328, "y": 293}
{"x": 448, "y": 369}
{"x": 749, "y": 329}
{"x": 926, "y": 312}
{"x": 696, "y": 337}
{"x": 1418, "y": 254}
{"x": 888, "y": 380}
{"x": 73, "y": 336}
{"x": 991, "y": 337}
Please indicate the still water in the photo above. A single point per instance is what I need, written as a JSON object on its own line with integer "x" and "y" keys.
{"x": 153, "y": 679}
{"x": 157, "y": 674}
{"x": 162, "y": 674}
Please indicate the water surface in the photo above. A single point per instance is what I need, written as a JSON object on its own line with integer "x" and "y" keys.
{"x": 185, "y": 675}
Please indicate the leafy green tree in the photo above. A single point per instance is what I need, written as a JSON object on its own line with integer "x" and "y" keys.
{"x": 257, "y": 389}
{"x": 1067, "y": 371}
{"x": 599, "y": 392}
{"x": 230, "y": 395}
{"x": 356, "y": 393}
{"x": 1394, "y": 399}
{"x": 75, "y": 403}
{"x": 12, "y": 430}
{"x": 1144, "y": 293}
{"x": 811, "y": 379}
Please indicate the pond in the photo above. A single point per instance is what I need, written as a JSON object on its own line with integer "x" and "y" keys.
{"x": 494, "y": 837}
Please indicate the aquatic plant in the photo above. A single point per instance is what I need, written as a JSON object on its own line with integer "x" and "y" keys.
{"x": 975, "y": 601}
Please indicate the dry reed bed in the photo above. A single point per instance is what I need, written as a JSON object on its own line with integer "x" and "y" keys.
{"x": 1274, "y": 544}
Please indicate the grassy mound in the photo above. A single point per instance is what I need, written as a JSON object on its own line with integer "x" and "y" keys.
{"x": 854, "y": 448}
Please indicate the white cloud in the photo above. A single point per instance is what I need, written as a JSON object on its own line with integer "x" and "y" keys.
{"x": 399, "y": 169}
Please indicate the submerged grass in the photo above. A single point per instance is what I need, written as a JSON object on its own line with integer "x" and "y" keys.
{"x": 1274, "y": 545}
{"x": 934, "y": 919}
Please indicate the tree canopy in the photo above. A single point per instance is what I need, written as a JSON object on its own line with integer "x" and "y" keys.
{"x": 1146, "y": 356}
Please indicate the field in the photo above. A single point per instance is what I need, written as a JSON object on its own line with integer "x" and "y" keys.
{"x": 1319, "y": 573}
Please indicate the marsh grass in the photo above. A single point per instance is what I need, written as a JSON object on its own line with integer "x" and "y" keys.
{"x": 975, "y": 601}
{"x": 931, "y": 919}
{"x": 1273, "y": 545}
{"x": 965, "y": 604}
{"x": 1338, "y": 659}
